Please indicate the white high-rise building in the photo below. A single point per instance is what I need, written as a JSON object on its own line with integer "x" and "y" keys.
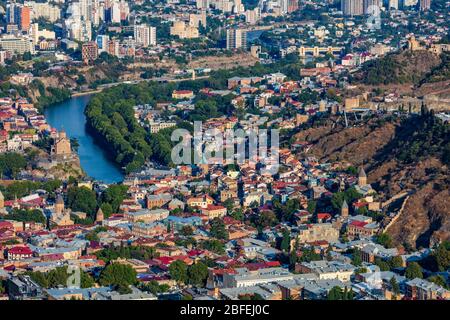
{"x": 352, "y": 7}
{"x": 145, "y": 35}
{"x": 115, "y": 12}
{"x": 238, "y": 7}
{"x": 236, "y": 39}
{"x": 152, "y": 36}
{"x": 253, "y": 16}
{"x": 202, "y": 4}
{"x": 392, "y": 4}
{"x": 284, "y": 4}
{"x": 102, "y": 43}
{"x": 86, "y": 10}
{"x": 45, "y": 10}
{"x": 370, "y": 4}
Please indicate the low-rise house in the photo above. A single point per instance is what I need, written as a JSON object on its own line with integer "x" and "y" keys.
{"x": 327, "y": 269}
{"x": 421, "y": 289}
{"x": 19, "y": 253}
{"x": 159, "y": 200}
{"x": 361, "y": 227}
{"x": 200, "y": 202}
{"x": 372, "y": 251}
{"x": 182, "y": 94}
{"x": 23, "y": 288}
{"x": 266, "y": 291}
{"x": 212, "y": 211}
{"x": 141, "y": 229}
{"x": 177, "y": 223}
{"x": 147, "y": 216}
{"x": 316, "y": 232}
{"x": 243, "y": 277}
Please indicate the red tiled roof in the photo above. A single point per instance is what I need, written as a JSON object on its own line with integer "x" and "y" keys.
{"x": 358, "y": 223}
{"x": 20, "y": 250}
{"x": 321, "y": 216}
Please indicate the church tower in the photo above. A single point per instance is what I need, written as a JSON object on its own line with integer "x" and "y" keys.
{"x": 342, "y": 185}
{"x": 59, "y": 205}
{"x": 99, "y": 216}
{"x": 2, "y": 201}
{"x": 62, "y": 144}
{"x": 362, "y": 177}
{"x": 344, "y": 209}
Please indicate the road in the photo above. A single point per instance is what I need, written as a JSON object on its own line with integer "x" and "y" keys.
{"x": 113, "y": 84}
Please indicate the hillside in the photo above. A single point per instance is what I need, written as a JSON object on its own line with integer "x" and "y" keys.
{"x": 409, "y": 67}
{"x": 399, "y": 154}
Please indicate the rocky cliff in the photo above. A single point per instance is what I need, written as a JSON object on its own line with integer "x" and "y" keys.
{"x": 398, "y": 154}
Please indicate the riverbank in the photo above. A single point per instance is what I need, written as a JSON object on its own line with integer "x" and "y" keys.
{"x": 94, "y": 159}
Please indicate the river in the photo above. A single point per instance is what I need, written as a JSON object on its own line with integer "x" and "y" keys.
{"x": 94, "y": 160}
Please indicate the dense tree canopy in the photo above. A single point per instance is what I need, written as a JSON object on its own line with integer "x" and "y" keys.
{"x": 82, "y": 199}
{"x": 118, "y": 275}
{"x": 11, "y": 163}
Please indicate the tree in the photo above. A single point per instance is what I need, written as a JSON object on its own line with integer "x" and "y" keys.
{"x": 27, "y": 215}
{"x": 107, "y": 209}
{"x": 116, "y": 274}
{"x": 439, "y": 280}
{"x": 133, "y": 252}
{"x": 309, "y": 255}
{"x": 39, "y": 278}
{"x": 348, "y": 195}
{"x": 293, "y": 258}
{"x": 11, "y": 163}
{"x": 396, "y": 262}
{"x": 213, "y": 245}
{"x": 413, "y": 270}
{"x": 86, "y": 280}
{"x": 114, "y": 196}
{"x": 82, "y": 199}
{"x": 286, "y": 241}
{"x": 154, "y": 287}
{"x": 383, "y": 265}
{"x": 178, "y": 271}
{"x": 357, "y": 258}
{"x": 238, "y": 214}
{"x": 267, "y": 219}
{"x": 442, "y": 256}
{"x": 197, "y": 274}
{"x": 385, "y": 240}
{"x": 218, "y": 229}
{"x": 229, "y": 204}
{"x": 394, "y": 286}
{"x": 312, "y": 206}
{"x": 335, "y": 293}
{"x": 186, "y": 231}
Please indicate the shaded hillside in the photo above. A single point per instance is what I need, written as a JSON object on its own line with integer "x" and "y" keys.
{"x": 398, "y": 153}
{"x": 425, "y": 219}
{"x": 356, "y": 144}
{"x": 399, "y": 68}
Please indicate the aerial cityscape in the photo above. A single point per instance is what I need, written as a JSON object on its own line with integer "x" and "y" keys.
{"x": 222, "y": 150}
